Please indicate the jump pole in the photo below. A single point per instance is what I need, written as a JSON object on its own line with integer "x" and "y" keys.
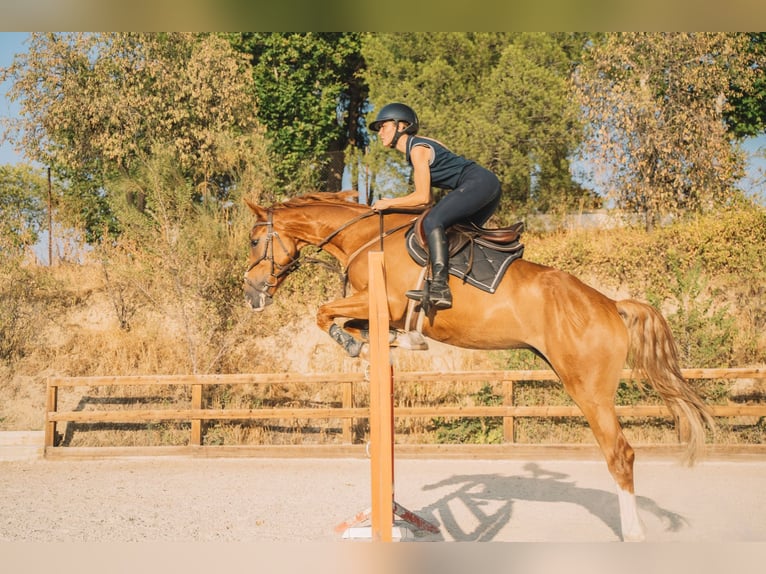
{"x": 383, "y": 506}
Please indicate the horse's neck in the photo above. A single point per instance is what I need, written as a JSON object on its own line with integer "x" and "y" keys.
{"x": 322, "y": 225}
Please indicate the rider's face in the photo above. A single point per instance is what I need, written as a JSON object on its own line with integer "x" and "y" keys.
{"x": 386, "y": 132}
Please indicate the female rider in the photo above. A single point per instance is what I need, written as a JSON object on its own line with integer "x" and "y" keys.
{"x": 473, "y": 197}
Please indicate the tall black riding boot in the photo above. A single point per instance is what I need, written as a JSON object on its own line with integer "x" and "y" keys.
{"x": 438, "y": 292}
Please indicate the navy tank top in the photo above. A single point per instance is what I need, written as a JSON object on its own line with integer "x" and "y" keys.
{"x": 446, "y": 166}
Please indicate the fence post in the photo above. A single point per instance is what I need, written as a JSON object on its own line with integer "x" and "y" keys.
{"x": 348, "y": 403}
{"x": 196, "y": 424}
{"x": 51, "y": 404}
{"x": 508, "y": 422}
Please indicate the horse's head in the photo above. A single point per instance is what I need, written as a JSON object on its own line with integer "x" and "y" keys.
{"x": 272, "y": 256}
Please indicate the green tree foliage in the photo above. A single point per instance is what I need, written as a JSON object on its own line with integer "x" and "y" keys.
{"x": 22, "y": 208}
{"x": 500, "y": 99}
{"x": 528, "y": 120}
{"x": 93, "y": 106}
{"x": 22, "y": 212}
{"x": 311, "y": 98}
{"x": 655, "y": 107}
{"x": 747, "y": 116}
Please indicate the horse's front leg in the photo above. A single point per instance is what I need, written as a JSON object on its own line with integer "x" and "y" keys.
{"x": 354, "y": 307}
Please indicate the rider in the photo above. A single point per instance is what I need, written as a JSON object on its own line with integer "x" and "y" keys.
{"x": 473, "y": 197}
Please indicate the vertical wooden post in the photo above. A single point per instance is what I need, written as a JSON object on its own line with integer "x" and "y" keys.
{"x": 51, "y": 404}
{"x": 348, "y": 403}
{"x": 508, "y": 435}
{"x": 381, "y": 406}
{"x": 196, "y": 424}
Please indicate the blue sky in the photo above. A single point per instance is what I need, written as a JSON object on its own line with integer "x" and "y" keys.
{"x": 12, "y": 43}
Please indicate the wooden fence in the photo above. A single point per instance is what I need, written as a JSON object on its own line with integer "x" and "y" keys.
{"x": 196, "y": 414}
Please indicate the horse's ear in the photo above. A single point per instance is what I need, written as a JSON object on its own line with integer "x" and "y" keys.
{"x": 259, "y": 212}
{"x": 348, "y": 195}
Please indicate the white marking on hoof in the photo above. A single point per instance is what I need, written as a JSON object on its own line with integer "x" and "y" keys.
{"x": 630, "y": 521}
{"x": 411, "y": 340}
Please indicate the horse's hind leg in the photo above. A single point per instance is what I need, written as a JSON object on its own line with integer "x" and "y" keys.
{"x": 595, "y": 397}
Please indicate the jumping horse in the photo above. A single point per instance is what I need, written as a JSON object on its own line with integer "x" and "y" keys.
{"x": 586, "y": 337}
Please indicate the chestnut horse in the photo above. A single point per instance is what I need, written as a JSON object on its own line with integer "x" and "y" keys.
{"x": 586, "y": 337}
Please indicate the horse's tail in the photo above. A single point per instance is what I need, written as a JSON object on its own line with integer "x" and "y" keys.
{"x": 653, "y": 354}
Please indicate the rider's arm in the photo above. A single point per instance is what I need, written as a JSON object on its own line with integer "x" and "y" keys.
{"x": 420, "y": 157}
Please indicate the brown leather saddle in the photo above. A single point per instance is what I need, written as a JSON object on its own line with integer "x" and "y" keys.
{"x": 503, "y": 239}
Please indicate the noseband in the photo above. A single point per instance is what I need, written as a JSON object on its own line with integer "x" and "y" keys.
{"x": 277, "y": 270}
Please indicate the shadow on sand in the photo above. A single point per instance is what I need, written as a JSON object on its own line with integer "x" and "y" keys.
{"x": 489, "y": 498}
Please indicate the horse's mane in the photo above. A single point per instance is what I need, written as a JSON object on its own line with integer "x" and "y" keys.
{"x": 324, "y": 197}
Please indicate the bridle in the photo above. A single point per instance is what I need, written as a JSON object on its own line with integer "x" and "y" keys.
{"x": 279, "y": 270}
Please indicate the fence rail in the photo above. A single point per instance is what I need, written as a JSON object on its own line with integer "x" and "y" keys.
{"x": 347, "y": 412}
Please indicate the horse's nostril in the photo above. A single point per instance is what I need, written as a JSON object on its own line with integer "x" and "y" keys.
{"x": 255, "y": 297}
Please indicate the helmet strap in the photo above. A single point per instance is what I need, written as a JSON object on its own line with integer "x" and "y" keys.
{"x": 397, "y": 135}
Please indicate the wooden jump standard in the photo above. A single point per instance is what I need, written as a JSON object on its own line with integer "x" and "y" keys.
{"x": 384, "y": 506}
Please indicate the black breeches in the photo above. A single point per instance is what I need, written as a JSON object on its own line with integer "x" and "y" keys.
{"x": 474, "y": 200}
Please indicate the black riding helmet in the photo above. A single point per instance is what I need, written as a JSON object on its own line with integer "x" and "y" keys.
{"x": 398, "y": 113}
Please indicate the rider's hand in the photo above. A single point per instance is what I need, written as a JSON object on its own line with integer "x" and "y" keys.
{"x": 382, "y": 205}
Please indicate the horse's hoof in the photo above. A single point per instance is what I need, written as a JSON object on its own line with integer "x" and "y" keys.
{"x": 354, "y": 348}
{"x": 412, "y": 341}
{"x": 635, "y": 537}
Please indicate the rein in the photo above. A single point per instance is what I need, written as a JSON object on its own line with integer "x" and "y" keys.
{"x": 346, "y": 225}
{"x": 272, "y": 237}
{"x": 382, "y": 236}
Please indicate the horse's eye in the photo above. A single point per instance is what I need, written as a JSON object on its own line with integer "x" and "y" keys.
{"x": 253, "y": 243}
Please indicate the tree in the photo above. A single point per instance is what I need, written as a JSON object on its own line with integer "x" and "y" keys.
{"x": 747, "y": 115}
{"x": 311, "y": 97}
{"x": 498, "y": 98}
{"x": 655, "y": 105}
{"x": 528, "y": 124}
{"x": 22, "y": 208}
{"x": 94, "y": 105}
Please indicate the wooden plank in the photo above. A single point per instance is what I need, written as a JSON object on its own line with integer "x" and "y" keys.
{"x": 381, "y": 405}
{"x": 568, "y": 411}
{"x": 400, "y": 377}
{"x": 734, "y": 373}
{"x": 244, "y": 379}
{"x": 126, "y": 416}
{"x": 480, "y": 375}
{"x": 524, "y": 411}
{"x": 516, "y": 451}
{"x": 549, "y": 375}
{"x": 224, "y": 451}
{"x": 738, "y": 410}
{"x": 360, "y": 412}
